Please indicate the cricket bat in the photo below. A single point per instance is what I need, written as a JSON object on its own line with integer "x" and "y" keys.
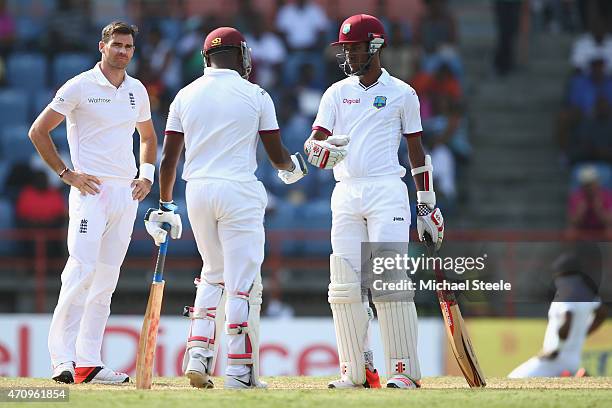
{"x": 148, "y": 334}
{"x": 456, "y": 331}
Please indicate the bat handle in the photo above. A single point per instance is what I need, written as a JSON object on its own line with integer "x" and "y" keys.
{"x": 158, "y": 275}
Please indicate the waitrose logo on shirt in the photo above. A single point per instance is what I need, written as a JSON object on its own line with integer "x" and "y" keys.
{"x": 98, "y": 100}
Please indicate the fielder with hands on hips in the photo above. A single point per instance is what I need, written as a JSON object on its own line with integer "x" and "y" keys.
{"x": 357, "y": 132}
{"x": 219, "y": 119}
{"x": 102, "y": 108}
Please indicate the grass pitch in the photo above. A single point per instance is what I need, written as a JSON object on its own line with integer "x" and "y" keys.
{"x": 312, "y": 392}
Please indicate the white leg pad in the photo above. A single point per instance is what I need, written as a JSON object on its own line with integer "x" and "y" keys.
{"x": 214, "y": 313}
{"x": 350, "y": 318}
{"x": 250, "y": 330}
{"x": 398, "y": 326}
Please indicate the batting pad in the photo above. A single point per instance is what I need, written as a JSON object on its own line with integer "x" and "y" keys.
{"x": 211, "y": 298}
{"x": 398, "y": 326}
{"x": 350, "y": 318}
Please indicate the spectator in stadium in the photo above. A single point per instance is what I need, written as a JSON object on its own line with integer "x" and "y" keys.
{"x": 436, "y": 36}
{"x": 163, "y": 63}
{"x": 268, "y": 53}
{"x": 507, "y": 18}
{"x": 590, "y": 207}
{"x": 39, "y": 205}
{"x": 7, "y": 29}
{"x": 302, "y": 23}
{"x": 590, "y": 140}
{"x": 597, "y": 41}
{"x": 399, "y": 55}
{"x": 575, "y": 312}
{"x": 69, "y": 13}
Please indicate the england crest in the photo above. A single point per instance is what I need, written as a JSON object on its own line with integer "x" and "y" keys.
{"x": 380, "y": 102}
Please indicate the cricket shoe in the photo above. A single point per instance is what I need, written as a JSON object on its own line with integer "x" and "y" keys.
{"x": 64, "y": 372}
{"x": 99, "y": 375}
{"x": 197, "y": 369}
{"x": 403, "y": 381}
{"x": 240, "y": 382}
{"x": 372, "y": 381}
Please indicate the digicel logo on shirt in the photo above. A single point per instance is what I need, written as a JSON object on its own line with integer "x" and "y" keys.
{"x": 351, "y": 101}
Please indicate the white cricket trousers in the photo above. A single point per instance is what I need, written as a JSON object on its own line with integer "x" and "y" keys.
{"x": 372, "y": 209}
{"x": 227, "y": 222}
{"x": 99, "y": 233}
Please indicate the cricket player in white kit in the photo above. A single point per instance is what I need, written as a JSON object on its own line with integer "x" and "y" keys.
{"x": 220, "y": 118}
{"x": 575, "y": 313}
{"x": 102, "y": 108}
{"x": 357, "y": 131}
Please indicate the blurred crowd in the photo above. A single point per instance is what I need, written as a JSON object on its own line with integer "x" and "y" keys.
{"x": 584, "y": 126}
{"x": 43, "y": 43}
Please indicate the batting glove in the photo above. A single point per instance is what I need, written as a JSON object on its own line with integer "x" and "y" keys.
{"x": 325, "y": 155}
{"x": 155, "y": 218}
{"x": 299, "y": 170}
{"x": 430, "y": 221}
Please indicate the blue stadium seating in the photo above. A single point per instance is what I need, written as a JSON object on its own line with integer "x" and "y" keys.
{"x": 40, "y": 100}
{"x": 16, "y": 146}
{"x": 13, "y": 107}
{"x": 27, "y": 71}
{"x": 67, "y": 65}
{"x": 7, "y": 246}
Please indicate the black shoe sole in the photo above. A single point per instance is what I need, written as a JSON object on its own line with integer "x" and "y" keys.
{"x": 392, "y": 386}
{"x": 65, "y": 377}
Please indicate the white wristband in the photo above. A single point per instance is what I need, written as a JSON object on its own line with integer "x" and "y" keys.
{"x": 147, "y": 171}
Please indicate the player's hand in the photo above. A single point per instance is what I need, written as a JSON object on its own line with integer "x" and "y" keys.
{"x": 155, "y": 218}
{"x": 299, "y": 170}
{"x": 323, "y": 154}
{"x": 85, "y": 183}
{"x": 431, "y": 222}
{"x": 141, "y": 188}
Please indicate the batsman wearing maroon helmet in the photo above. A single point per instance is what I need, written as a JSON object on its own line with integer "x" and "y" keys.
{"x": 357, "y": 132}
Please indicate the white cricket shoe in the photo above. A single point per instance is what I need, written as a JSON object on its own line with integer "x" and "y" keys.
{"x": 64, "y": 372}
{"x": 196, "y": 369}
{"x": 99, "y": 375}
{"x": 240, "y": 382}
{"x": 403, "y": 381}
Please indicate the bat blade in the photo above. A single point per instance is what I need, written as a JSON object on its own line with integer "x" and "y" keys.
{"x": 460, "y": 343}
{"x": 148, "y": 337}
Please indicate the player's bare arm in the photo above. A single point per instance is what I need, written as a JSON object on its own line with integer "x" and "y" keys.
{"x": 600, "y": 316}
{"x": 277, "y": 152}
{"x": 171, "y": 153}
{"x": 430, "y": 222}
{"x": 291, "y": 167}
{"x": 148, "y": 156}
{"x": 40, "y": 136}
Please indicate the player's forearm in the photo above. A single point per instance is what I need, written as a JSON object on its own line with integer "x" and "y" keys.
{"x": 46, "y": 148}
{"x": 173, "y": 146}
{"x": 416, "y": 155}
{"x": 148, "y": 150}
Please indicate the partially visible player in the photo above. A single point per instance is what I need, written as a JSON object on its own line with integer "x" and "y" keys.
{"x": 575, "y": 313}
{"x": 219, "y": 118}
{"x": 102, "y": 108}
{"x": 357, "y": 132}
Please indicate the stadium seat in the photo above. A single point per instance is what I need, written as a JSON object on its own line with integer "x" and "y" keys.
{"x": 27, "y": 71}
{"x": 13, "y": 107}
{"x": 39, "y": 101}
{"x": 7, "y": 246}
{"x": 16, "y": 146}
{"x": 67, "y": 65}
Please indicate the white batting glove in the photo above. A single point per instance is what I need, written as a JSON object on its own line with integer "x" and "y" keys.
{"x": 430, "y": 221}
{"x": 299, "y": 170}
{"x": 155, "y": 218}
{"x": 323, "y": 154}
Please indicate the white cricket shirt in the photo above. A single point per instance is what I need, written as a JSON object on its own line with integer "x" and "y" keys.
{"x": 100, "y": 122}
{"x": 582, "y": 318}
{"x": 375, "y": 118}
{"x": 221, "y": 115}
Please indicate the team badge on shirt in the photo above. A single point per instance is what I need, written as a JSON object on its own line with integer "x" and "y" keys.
{"x": 132, "y": 101}
{"x": 380, "y": 102}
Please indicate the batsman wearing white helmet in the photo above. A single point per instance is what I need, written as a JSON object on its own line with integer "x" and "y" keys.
{"x": 102, "y": 107}
{"x": 219, "y": 118}
{"x": 357, "y": 132}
